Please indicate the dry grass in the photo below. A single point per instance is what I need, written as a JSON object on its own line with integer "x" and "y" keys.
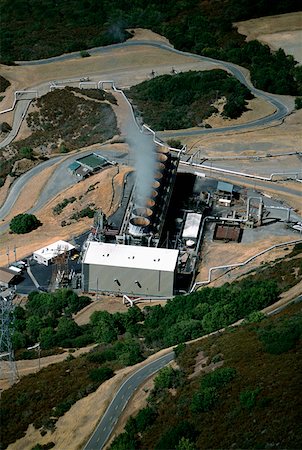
{"x": 281, "y": 31}
{"x": 51, "y": 229}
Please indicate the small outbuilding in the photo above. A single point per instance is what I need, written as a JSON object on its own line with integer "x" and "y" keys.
{"x": 8, "y": 277}
{"x": 129, "y": 269}
{"x": 225, "y": 193}
{"x": 47, "y": 254}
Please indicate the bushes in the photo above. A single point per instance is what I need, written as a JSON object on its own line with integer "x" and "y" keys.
{"x": 184, "y": 100}
{"x": 248, "y": 398}
{"x": 60, "y": 206}
{"x": 101, "y": 374}
{"x": 24, "y": 223}
{"x": 207, "y": 396}
{"x": 219, "y": 378}
{"x": 281, "y": 336}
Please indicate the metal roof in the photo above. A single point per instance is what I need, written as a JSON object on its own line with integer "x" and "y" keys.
{"x": 93, "y": 161}
{"x": 225, "y": 187}
{"x": 52, "y": 250}
{"x": 6, "y": 275}
{"x": 131, "y": 256}
{"x": 191, "y": 225}
{"x": 73, "y": 166}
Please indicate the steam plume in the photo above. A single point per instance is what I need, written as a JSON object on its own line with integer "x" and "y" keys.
{"x": 143, "y": 149}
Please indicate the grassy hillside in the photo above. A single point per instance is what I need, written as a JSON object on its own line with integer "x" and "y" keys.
{"x": 237, "y": 390}
{"x": 32, "y": 30}
{"x": 127, "y": 338}
{"x": 63, "y": 121}
{"x": 184, "y": 100}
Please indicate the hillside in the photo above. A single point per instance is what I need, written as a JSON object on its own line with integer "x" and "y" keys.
{"x": 203, "y": 27}
{"x": 125, "y": 339}
{"x": 60, "y": 121}
{"x": 239, "y": 389}
{"x": 184, "y": 100}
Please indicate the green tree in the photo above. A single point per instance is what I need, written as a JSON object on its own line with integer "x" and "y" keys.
{"x": 101, "y": 374}
{"x": 67, "y": 329}
{"x": 26, "y": 152}
{"x": 34, "y": 324}
{"x": 24, "y": 223}
{"x": 204, "y": 400}
{"x": 123, "y": 441}
{"x": 185, "y": 444}
{"x": 167, "y": 378}
{"x": 47, "y": 338}
{"x": 104, "y": 329}
{"x": 298, "y": 102}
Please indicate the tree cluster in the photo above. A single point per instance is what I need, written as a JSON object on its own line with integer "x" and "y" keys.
{"x": 204, "y": 28}
{"x": 24, "y": 223}
{"x": 47, "y": 318}
{"x": 184, "y": 100}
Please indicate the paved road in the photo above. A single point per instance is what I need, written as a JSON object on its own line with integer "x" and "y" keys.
{"x": 106, "y": 425}
{"x": 237, "y": 179}
{"x": 52, "y": 187}
{"x": 119, "y": 402}
{"x": 281, "y": 109}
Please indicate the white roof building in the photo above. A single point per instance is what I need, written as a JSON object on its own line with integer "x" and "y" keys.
{"x": 191, "y": 226}
{"x": 129, "y": 269}
{"x": 46, "y": 254}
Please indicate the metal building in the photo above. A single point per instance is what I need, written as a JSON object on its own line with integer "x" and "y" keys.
{"x": 129, "y": 269}
{"x": 46, "y": 255}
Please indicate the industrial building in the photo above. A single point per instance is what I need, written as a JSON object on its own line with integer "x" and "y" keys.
{"x": 132, "y": 260}
{"x": 47, "y": 254}
{"x": 129, "y": 269}
{"x": 87, "y": 165}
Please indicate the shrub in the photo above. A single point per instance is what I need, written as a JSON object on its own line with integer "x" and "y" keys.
{"x": 204, "y": 400}
{"x": 219, "y": 378}
{"x": 281, "y": 336}
{"x": 26, "y": 152}
{"x": 84, "y": 54}
{"x": 248, "y": 398}
{"x": 101, "y": 374}
{"x": 24, "y": 223}
{"x": 298, "y": 102}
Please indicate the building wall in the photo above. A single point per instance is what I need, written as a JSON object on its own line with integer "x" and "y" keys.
{"x": 152, "y": 282}
{"x": 40, "y": 259}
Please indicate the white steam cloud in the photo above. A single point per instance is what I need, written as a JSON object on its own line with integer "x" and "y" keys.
{"x": 143, "y": 149}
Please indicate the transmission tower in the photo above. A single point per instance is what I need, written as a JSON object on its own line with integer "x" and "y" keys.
{"x": 6, "y": 348}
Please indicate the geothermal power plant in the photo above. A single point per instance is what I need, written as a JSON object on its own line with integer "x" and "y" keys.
{"x": 131, "y": 260}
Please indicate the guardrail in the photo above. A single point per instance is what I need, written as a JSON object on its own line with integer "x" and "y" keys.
{"x": 231, "y": 266}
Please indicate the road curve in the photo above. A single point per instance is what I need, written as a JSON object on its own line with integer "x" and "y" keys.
{"x": 106, "y": 425}
{"x": 21, "y": 107}
{"x": 281, "y": 109}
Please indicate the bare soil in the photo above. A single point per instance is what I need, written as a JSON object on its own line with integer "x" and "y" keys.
{"x": 218, "y": 254}
{"x": 104, "y": 303}
{"x": 51, "y": 229}
{"x": 280, "y": 31}
{"x": 74, "y": 428}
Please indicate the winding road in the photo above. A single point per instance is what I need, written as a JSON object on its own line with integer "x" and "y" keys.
{"x": 105, "y": 426}
{"x": 118, "y": 404}
{"x": 281, "y": 111}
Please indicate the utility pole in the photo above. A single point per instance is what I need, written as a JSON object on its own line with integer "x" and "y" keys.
{"x": 6, "y": 347}
{"x": 7, "y": 254}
